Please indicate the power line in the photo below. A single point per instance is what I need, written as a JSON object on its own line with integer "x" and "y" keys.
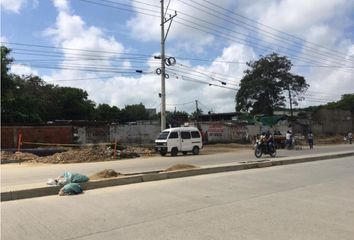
{"x": 274, "y": 29}
{"x": 239, "y": 33}
{"x": 186, "y": 78}
{"x": 232, "y": 38}
{"x": 196, "y": 73}
{"x": 226, "y": 34}
{"x": 155, "y": 15}
{"x": 180, "y": 104}
{"x": 66, "y": 55}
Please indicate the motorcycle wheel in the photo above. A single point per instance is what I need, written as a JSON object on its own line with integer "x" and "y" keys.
{"x": 258, "y": 152}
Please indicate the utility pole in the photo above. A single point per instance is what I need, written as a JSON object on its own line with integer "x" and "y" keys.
{"x": 163, "y": 62}
{"x": 196, "y": 109}
{"x": 163, "y": 70}
{"x": 291, "y": 102}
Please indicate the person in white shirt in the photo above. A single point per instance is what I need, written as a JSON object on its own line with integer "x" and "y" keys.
{"x": 288, "y": 140}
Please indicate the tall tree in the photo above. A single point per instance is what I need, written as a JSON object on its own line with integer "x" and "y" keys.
{"x": 134, "y": 112}
{"x": 28, "y": 99}
{"x": 265, "y": 84}
{"x": 345, "y": 103}
{"x": 105, "y": 112}
{"x": 176, "y": 119}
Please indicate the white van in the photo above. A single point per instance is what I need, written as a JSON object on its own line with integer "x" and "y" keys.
{"x": 182, "y": 139}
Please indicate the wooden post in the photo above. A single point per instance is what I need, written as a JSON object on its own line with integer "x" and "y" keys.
{"x": 19, "y": 142}
{"x": 115, "y": 150}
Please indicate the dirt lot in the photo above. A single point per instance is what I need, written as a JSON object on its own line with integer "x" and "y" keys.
{"x": 106, "y": 153}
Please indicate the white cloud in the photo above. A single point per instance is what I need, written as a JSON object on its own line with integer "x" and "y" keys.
{"x": 3, "y": 39}
{"x": 21, "y": 70}
{"x": 62, "y": 5}
{"x": 296, "y": 16}
{"x": 77, "y": 38}
{"x": 320, "y": 23}
{"x": 12, "y": 5}
{"x": 184, "y": 28}
{"x": 16, "y": 5}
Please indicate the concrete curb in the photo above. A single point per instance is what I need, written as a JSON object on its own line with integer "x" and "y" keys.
{"x": 161, "y": 175}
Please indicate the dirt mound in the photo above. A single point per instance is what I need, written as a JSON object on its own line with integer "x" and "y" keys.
{"x": 18, "y": 156}
{"x": 180, "y": 167}
{"x": 107, "y": 173}
{"x": 88, "y": 154}
{"x": 141, "y": 151}
{"x": 92, "y": 154}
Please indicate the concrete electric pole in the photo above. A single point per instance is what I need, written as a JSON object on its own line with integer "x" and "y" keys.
{"x": 163, "y": 61}
{"x": 163, "y": 70}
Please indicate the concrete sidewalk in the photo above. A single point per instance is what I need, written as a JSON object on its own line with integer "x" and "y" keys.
{"x": 39, "y": 190}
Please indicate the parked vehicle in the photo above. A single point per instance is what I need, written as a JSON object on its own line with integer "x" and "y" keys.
{"x": 182, "y": 139}
{"x": 263, "y": 147}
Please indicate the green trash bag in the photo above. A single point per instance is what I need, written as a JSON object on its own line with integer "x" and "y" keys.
{"x": 75, "y": 177}
{"x": 70, "y": 189}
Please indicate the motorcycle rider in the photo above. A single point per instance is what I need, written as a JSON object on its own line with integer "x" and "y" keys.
{"x": 269, "y": 141}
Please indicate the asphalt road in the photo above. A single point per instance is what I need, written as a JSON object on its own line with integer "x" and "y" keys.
{"x": 22, "y": 174}
{"x": 312, "y": 200}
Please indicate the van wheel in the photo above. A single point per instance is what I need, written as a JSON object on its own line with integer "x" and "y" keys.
{"x": 174, "y": 151}
{"x": 184, "y": 153}
{"x": 163, "y": 153}
{"x": 195, "y": 150}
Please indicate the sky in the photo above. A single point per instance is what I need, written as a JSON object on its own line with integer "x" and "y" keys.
{"x": 98, "y": 45}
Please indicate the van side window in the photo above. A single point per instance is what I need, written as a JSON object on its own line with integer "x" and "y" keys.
{"x": 173, "y": 135}
{"x": 195, "y": 134}
{"x": 185, "y": 135}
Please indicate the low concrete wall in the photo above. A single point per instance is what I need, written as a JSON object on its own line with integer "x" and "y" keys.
{"x": 134, "y": 134}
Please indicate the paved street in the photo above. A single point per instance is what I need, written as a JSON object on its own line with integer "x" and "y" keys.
{"x": 19, "y": 174}
{"x": 302, "y": 201}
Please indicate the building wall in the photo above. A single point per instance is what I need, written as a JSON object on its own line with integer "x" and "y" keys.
{"x": 35, "y": 134}
{"x": 333, "y": 121}
{"x": 137, "y": 134}
{"x": 220, "y": 132}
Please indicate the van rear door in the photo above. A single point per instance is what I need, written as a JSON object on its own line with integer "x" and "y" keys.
{"x": 186, "y": 141}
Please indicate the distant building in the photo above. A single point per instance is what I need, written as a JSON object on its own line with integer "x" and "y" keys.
{"x": 151, "y": 111}
{"x": 218, "y": 116}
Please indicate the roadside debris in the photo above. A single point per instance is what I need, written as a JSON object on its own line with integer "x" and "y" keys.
{"x": 70, "y": 182}
{"x": 180, "y": 167}
{"x": 68, "y": 177}
{"x": 17, "y": 156}
{"x": 70, "y": 189}
{"x": 107, "y": 173}
{"x": 84, "y": 154}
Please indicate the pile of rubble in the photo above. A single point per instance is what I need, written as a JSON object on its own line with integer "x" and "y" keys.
{"x": 107, "y": 173}
{"x": 85, "y": 154}
{"x": 18, "y": 156}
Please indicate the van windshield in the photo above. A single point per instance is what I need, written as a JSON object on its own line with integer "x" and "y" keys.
{"x": 163, "y": 135}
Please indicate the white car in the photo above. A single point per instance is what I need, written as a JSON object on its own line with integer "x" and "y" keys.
{"x": 182, "y": 139}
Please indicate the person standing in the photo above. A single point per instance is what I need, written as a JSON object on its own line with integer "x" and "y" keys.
{"x": 288, "y": 140}
{"x": 350, "y": 137}
{"x": 310, "y": 139}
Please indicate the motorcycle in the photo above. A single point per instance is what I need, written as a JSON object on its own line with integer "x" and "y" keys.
{"x": 262, "y": 147}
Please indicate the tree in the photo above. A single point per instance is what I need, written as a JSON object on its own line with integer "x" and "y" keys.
{"x": 196, "y": 114}
{"x": 105, "y": 112}
{"x": 134, "y": 112}
{"x": 74, "y": 104}
{"x": 28, "y": 99}
{"x": 266, "y": 81}
{"x": 176, "y": 119}
{"x": 346, "y": 103}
